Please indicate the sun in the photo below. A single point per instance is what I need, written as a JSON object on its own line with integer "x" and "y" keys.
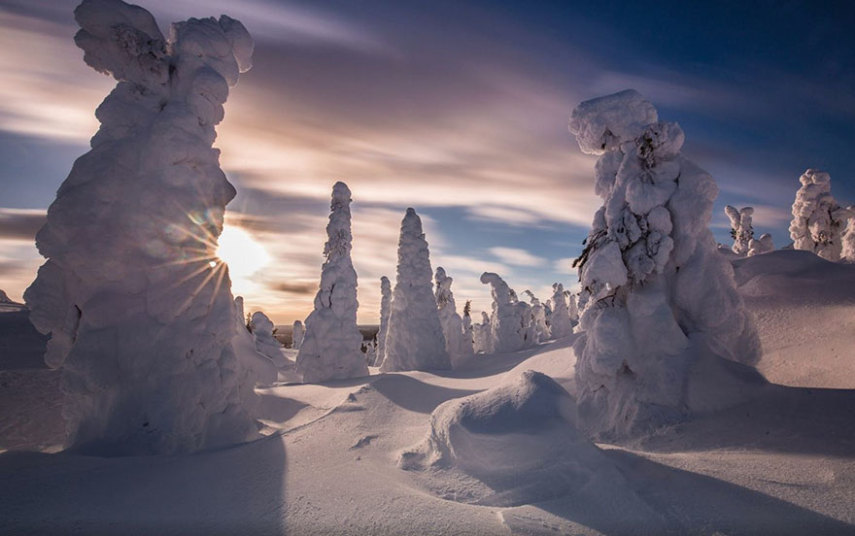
{"x": 244, "y": 256}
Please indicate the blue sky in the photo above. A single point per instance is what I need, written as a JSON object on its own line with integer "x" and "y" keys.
{"x": 458, "y": 109}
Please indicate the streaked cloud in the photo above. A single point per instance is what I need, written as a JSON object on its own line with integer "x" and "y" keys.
{"x": 517, "y": 257}
{"x": 20, "y": 224}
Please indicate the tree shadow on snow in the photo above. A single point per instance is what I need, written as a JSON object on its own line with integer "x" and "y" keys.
{"x": 781, "y": 419}
{"x": 690, "y": 503}
{"x": 233, "y": 490}
{"x": 414, "y": 395}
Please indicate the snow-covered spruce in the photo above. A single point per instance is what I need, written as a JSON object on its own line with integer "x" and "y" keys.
{"x": 741, "y": 229}
{"x": 385, "y": 309}
{"x": 482, "y": 340}
{"x": 758, "y": 246}
{"x": 331, "y": 348}
{"x": 468, "y": 329}
{"x": 139, "y": 308}
{"x": 510, "y": 328}
{"x": 297, "y": 333}
{"x": 538, "y": 318}
{"x": 659, "y": 303}
{"x": 452, "y": 325}
{"x": 414, "y": 340}
{"x": 818, "y": 220}
{"x": 561, "y": 323}
{"x": 262, "y": 332}
{"x": 848, "y": 249}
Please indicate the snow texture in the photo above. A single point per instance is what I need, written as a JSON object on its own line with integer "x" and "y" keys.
{"x": 385, "y": 309}
{"x": 510, "y": 325}
{"x": 657, "y": 298}
{"x": 459, "y": 351}
{"x": 515, "y": 443}
{"x": 331, "y": 348}
{"x": 818, "y": 220}
{"x": 740, "y": 228}
{"x": 297, "y": 334}
{"x": 561, "y": 323}
{"x": 415, "y": 340}
{"x": 139, "y": 308}
{"x": 758, "y": 246}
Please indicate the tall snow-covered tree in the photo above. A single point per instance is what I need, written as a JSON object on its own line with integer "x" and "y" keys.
{"x": 818, "y": 220}
{"x": 139, "y": 308}
{"x": 385, "y": 309}
{"x": 510, "y": 328}
{"x": 741, "y": 228}
{"x": 415, "y": 340}
{"x": 658, "y": 302}
{"x": 452, "y": 324}
{"x": 332, "y": 345}
{"x": 562, "y": 325}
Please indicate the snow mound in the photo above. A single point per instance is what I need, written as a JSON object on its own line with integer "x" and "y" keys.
{"x": 513, "y": 444}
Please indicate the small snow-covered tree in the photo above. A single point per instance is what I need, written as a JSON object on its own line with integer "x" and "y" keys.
{"x": 297, "y": 334}
{"x": 848, "y": 249}
{"x": 452, "y": 324}
{"x": 138, "y": 306}
{"x": 562, "y": 325}
{"x": 385, "y": 309}
{"x": 657, "y": 299}
{"x": 414, "y": 340}
{"x": 468, "y": 329}
{"x": 741, "y": 229}
{"x": 482, "y": 335}
{"x": 331, "y": 348}
{"x": 538, "y": 317}
{"x": 761, "y": 245}
{"x": 818, "y": 220}
{"x": 510, "y": 327}
{"x": 262, "y": 331}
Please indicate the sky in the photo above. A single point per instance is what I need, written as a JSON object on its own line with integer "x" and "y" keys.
{"x": 458, "y": 109}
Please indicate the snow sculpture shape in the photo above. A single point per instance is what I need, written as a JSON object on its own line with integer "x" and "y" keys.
{"x": 760, "y": 245}
{"x": 657, "y": 299}
{"x": 562, "y": 325}
{"x": 331, "y": 348}
{"x": 741, "y": 229}
{"x": 509, "y": 443}
{"x": 415, "y": 340}
{"x": 817, "y": 218}
{"x": 452, "y": 324}
{"x": 139, "y": 309}
{"x": 385, "y": 309}
{"x": 510, "y": 329}
{"x": 538, "y": 318}
{"x": 262, "y": 331}
{"x": 297, "y": 333}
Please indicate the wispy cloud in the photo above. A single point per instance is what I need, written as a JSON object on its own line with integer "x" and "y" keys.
{"x": 20, "y": 224}
{"x": 517, "y": 257}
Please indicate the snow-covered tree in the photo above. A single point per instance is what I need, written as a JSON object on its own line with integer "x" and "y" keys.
{"x": 510, "y": 328}
{"x": 741, "y": 229}
{"x": 297, "y": 334}
{"x": 538, "y": 317}
{"x": 385, "y": 309}
{"x": 369, "y": 348}
{"x": 262, "y": 331}
{"x": 331, "y": 348}
{"x": 414, "y": 340}
{"x": 482, "y": 335}
{"x": 818, "y": 220}
{"x": 848, "y": 249}
{"x": 452, "y": 324}
{"x": 139, "y": 308}
{"x": 658, "y": 301}
{"x": 468, "y": 329}
{"x": 562, "y": 325}
{"x": 761, "y": 245}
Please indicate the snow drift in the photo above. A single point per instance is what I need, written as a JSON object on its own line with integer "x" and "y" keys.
{"x": 138, "y": 307}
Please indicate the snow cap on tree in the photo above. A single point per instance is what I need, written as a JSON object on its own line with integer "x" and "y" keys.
{"x": 818, "y": 220}
{"x": 139, "y": 308}
{"x": 331, "y": 348}
{"x": 657, "y": 298}
{"x": 741, "y": 228}
{"x": 415, "y": 340}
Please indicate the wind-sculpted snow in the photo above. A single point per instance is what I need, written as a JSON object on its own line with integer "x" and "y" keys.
{"x": 415, "y": 340}
{"x": 655, "y": 295}
{"x": 741, "y": 228}
{"x": 331, "y": 348}
{"x": 459, "y": 351}
{"x": 138, "y": 306}
{"x": 510, "y": 325}
{"x": 515, "y": 443}
{"x": 818, "y": 221}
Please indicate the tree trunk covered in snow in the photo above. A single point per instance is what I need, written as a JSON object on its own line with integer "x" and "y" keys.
{"x": 138, "y": 306}
{"x": 658, "y": 301}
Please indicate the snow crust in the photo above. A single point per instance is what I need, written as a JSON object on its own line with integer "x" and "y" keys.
{"x": 331, "y": 348}
{"x": 656, "y": 295}
{"x": 458, "y": 348}
{"x": 139, "y": 308}
{"x": 415, "y": 340}
{"x": 818, "y": 221}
